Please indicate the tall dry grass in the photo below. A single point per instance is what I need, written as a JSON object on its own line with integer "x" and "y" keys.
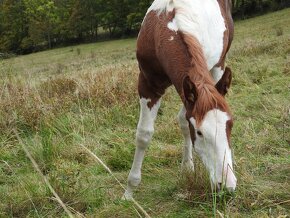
{"x": 60, "y": 99}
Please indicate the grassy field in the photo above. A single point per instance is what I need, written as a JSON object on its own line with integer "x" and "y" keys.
{"x": 86, "y": 95}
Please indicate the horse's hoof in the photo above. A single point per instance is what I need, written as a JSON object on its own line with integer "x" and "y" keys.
{"x": 187, "y": 166}
{"x": 127, "y": 196}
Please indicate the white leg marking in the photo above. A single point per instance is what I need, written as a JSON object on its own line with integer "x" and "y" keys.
{"x": 144, "y": 134}
{"x": 217, "y": 73}
{"x": 187, "y": 163}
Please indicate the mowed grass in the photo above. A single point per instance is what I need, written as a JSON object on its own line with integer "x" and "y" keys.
{"x": 86, "y": 95}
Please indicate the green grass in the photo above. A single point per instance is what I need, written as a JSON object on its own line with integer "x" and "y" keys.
{"x": 87, "y": 95}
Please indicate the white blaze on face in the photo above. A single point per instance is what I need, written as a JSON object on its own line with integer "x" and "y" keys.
{"x": 212, "y": 146}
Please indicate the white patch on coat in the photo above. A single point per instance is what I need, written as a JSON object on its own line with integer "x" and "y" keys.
{"x": 161, "y": 5}
{"x": 200, "y": 18}
{"x": 217, "y": 73}
{"x": 171, "y": 38}
{"x": 145, "y": 130}
{"x": 213, "y": 147}
{"x": 172, "y": 25}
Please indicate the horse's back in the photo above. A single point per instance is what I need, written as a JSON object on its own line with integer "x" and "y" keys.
{"x": 206, "y": 20}
{"x": 161, "y": 51}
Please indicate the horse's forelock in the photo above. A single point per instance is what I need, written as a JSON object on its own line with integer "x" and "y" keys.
{"x": 208, "y": 99}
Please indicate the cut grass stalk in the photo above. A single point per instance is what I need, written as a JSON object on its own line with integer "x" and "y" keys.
{"x": 36, "y": 167}
{"x": 220, "y": 214}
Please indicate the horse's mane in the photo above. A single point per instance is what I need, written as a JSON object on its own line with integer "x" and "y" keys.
{"x": 208, "y": 96}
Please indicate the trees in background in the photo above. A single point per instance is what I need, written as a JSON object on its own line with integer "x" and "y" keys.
{"x": 245, "y": 8}
{"x": 13, "y": 24}
{"x": 31, "y": 25}
{"x": 43, "y": 19}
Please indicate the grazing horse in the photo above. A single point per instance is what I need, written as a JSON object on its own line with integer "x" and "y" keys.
{"x": 184, "y": 43}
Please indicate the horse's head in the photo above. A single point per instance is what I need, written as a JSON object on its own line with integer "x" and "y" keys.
{"x": 210, "y": 123}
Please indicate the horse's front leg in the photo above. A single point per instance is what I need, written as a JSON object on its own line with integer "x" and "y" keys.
{"x": 144, "y": 134}
{"x": 187, "y": 160}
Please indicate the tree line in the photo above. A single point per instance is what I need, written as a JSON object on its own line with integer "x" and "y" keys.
{"x": 31, "y": 25}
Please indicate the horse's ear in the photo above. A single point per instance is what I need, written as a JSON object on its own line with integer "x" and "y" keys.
{"x": 225, "y": 82}
{"x": 189, "y": 90}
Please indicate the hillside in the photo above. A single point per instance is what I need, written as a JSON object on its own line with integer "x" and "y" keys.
{"x": 86, "y": 95}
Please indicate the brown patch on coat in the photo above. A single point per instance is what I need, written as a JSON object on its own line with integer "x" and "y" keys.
{"x": 226, "y": 8}
{"x": 229, "y": 126}
{"x": 153, "y": 80}
{"x": 192, "y": 133}
{"x": 162, "y": 62}
{"x": 224, "y": 83}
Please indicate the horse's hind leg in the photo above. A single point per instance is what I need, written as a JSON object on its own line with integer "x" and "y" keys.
{"x": 149, "y": 103}
{"x": 187, "y": 163}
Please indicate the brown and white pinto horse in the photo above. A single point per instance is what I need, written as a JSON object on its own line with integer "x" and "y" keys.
{"x": 184, "y": 43}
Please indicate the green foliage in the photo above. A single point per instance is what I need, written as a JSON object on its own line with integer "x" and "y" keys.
{"x": 246, "y": 8}
{"x": 43, "y": 19}
{"x": 13, "y": 25}
{"x": 31, "y": 25}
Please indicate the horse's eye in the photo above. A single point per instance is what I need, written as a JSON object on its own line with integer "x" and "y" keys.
{"x": 199, "y": 133}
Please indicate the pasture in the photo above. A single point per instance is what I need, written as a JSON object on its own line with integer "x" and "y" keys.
{"x": 86, "y": 95}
